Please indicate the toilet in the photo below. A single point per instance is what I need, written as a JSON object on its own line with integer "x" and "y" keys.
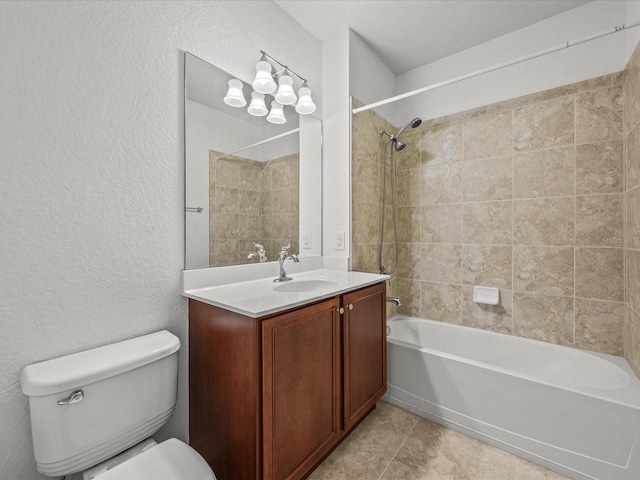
{"x": 95, "y": 411}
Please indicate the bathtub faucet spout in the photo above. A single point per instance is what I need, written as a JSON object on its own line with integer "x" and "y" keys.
{"x": 395, "y": 300}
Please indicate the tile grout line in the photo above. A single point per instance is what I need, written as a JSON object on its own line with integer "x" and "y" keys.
{"x": 399, "y": 448}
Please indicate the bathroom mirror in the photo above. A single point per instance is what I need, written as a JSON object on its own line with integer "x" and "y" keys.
{"x": 246, "y": 180}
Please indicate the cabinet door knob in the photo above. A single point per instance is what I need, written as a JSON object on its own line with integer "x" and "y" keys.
{"x": 340, "y": 310}
{"x": 351, "y": 306}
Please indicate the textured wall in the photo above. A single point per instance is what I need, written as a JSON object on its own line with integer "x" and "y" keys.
{"x": 632, "y": 206}
{"x": 91, "y": 174}
{"x": 524, "y": 195}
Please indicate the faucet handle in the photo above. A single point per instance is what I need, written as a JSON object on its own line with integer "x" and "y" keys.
{"x": 258, "y": 246}
{"x": 285, "y": 249}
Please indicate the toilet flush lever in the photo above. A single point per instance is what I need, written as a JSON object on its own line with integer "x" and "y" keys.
{"x": 74, "y": 398}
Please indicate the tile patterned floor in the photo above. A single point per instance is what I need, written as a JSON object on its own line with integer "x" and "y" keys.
{"x": 392, "y": 444}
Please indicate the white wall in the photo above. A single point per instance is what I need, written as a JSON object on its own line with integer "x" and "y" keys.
{"x": 369, "y": 77}
{"x": 336, "y": 145}
{"x": 91, "y": 175}
{"x": 592, "y": 59}
{"x": 632, "y": 15}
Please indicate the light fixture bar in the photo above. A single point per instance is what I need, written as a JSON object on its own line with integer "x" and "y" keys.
{"x": 283, "y": 66}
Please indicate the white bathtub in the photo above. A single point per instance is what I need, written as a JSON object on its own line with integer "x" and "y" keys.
{"x": 570, "y": 410}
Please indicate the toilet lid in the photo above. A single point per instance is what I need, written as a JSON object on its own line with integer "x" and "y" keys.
{"x": 169, "y": 460}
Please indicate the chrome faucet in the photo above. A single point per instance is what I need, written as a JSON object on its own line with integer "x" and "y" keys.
{"x": 283, "y": 257}
{"x": 394, "y": 300}
{"x": 261, "y": 255}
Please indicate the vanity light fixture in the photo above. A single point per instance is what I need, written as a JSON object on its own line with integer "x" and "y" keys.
{"x": 276, "y": 115}
{"x": 264, "y": 83}
{"x": 285, "y": 95}
{"x": 257, "y": 108}
{"x": 305, "y": 104}
{"x": 235, "y": 95}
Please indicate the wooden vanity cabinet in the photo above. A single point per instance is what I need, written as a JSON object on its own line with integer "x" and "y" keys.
{"x": 271, "y": 397}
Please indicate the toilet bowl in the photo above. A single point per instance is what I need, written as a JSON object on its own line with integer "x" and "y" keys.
{"x": 95, "y": 411}
{"x": 171, "y": 459}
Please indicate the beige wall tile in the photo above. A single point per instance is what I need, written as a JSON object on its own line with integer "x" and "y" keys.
{"x": 409, "y": 260}
{"x": 573, "y": 88}
{"x": 227, "y": 173}
{"x": 547, "y": 318}
{"x": 407, "y": 187}
{"x": 599, "y": 220}
{"x": 441, "y": 223}
{"x": 546, "y": 270}
{"x": 546, "y": 173}
{"x": 487, "y": 136}
{"x": 632, "y": 274}
{"x": 226, "y": 225}
{"x": 441, "y": 145}
{"x": 409, "y": 292}
{"x": 632, "y": 167}
{"x": 369, "y": 189}
{"x": 441, "y": 184}
{"x": 249, "y": 202}
{"x": 487, "y": 222}
{"x": 441, "y": 263}
{"x": 487, "y": 179}
{"x": 632, "y": 340}
{"x": 543, "y": 221}
{"x": 599, "y": 115}
{"x": 632, "y": 86}
{"x": 487, "y": 265}
{"x": 599, "y": 167}
{"x": 599, "y": 273}
{"x": 249, "y": 173}
{"x": 543, "y": 125}
{"x": 632, "y": 232}
{"x": 280, "y": 174}
{"x": 409, "y": 224}
{"x": 409, "y": 157}
{"x": 497, "y": 318}
{"x": 441, "y": 302}
{"x": 600, "y": 326}
{"x": 226, "y": 200}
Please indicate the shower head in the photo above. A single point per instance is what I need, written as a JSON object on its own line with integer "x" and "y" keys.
{"x": 397, "y": 143}
{"x": 413, "y": 124}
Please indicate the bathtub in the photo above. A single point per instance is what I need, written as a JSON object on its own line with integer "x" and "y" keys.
{"x": 570, "y": 410}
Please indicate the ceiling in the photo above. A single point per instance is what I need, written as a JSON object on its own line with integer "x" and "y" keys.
{"x": 407, "y": 34}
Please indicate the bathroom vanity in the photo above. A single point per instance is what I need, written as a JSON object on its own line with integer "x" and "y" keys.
{"x": 272, "y": 394}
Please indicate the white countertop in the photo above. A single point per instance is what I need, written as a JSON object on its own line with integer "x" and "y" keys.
{"x": 260, "y": 297}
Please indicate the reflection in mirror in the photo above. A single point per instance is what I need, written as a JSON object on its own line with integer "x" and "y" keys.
{"x": 244, "y": 177}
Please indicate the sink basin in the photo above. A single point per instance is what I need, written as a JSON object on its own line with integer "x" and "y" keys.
{"x": 298, "y": 285}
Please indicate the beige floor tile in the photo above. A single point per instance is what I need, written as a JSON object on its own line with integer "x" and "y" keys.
{"x": 392, "y": 444}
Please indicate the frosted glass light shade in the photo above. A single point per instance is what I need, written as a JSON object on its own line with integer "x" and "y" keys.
{"x": 257, "y": 107}
{"x": 264, "y": 82}
{"x": 235, "y": 95}
{"x": 305, "y": 104}
{"x": 286, "y": 95}
{"x": 276, "y": 115}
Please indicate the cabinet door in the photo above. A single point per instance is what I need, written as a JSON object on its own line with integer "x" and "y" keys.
{"x": 301, "y": 389}
{"x": 365, "y": 351}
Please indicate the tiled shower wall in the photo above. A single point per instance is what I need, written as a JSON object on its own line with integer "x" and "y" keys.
{"x": 632, "y": 219}
{"x": 251, "y": 202}
{"x": 526, "y": 196}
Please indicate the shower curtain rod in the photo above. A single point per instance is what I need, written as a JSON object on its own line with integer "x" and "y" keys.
{"x": 541, "y": 53}
{"x": 266, "y": 140}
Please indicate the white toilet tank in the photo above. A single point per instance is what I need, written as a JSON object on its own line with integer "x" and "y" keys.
{"x": 117, "y": 396}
